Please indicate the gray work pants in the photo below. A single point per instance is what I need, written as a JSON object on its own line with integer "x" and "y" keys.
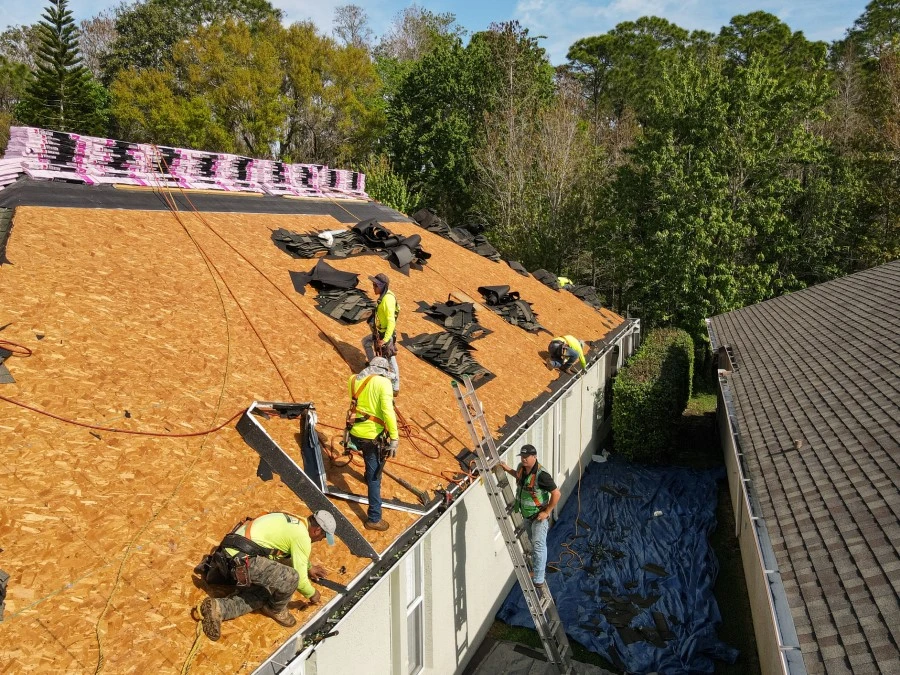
{"x": 368, "y": 343}
{"x": 273, "y": 584}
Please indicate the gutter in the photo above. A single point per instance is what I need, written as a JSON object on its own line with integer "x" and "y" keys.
{"x": 298, "y": 648}
{"x": 779, "y": 611}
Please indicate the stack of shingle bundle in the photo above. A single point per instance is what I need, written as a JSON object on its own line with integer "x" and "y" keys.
{"x": 511, "y": 308}
{"x": 337, "y": 296}
{"x": 457, "y": 318}
{"x": 547, "y": 278}
{"x": 336, "y": 243}
{"x": 449, "y": 353}
{"x": 459, "y": 235}
{"x": 351, "y": 184}
{"x": 54, "y": 155}
{"x": 10, "y": 170}
{"x": 402, "y": 252}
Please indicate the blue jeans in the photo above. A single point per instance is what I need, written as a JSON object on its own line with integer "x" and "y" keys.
{"x": 537, "y": 532}
{"x": 373, "y": 476}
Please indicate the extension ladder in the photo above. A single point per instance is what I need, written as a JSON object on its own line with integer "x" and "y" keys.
{"x": 502, "y": 496}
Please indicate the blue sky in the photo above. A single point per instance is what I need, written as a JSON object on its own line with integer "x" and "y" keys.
{"x": 561, "y": 21}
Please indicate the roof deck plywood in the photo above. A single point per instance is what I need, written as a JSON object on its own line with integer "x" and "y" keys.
{"x": 146, "y": 321}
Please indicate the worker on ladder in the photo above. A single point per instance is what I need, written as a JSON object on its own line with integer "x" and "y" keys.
{"x": 565, "y": 351}
{"x": 372, "y": 429}
{"x": 383, "y": 340}
{"x": 536, "y": 497}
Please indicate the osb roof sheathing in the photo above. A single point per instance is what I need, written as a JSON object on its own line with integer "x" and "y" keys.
{"x": 132, "y": 327}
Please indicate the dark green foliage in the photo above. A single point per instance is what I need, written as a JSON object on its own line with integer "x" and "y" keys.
{"x": 62, "y": 95}
{"x": 649, "y": 394}
{"x": 149, "y": 30}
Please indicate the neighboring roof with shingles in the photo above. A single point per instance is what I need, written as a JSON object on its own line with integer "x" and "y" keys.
{"x": 822, "y": 366}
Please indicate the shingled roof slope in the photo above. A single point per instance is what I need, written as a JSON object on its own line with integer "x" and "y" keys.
{"x": 139, "y": 320}
{"x": 816, "y": 386}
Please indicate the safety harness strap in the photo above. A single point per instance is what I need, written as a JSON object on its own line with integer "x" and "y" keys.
{"x": 355, "y": 415}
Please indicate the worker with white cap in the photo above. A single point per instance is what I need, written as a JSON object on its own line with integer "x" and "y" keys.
{"x": 253, "y": 556}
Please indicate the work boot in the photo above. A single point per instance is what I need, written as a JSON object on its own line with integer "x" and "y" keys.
{"x": 284, "y": 617}
{"x": 381, "y": 525}
{"x": 211, "y": 619}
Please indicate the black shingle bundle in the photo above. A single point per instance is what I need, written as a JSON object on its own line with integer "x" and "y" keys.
{"x": 337, "y": 296}
{"x": 511, "y": 307}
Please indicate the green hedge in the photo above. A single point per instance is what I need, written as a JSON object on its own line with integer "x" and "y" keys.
{"x": 649, "y": 394}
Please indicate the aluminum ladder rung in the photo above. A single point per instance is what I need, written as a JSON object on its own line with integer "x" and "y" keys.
{"x": 540, "y": 602}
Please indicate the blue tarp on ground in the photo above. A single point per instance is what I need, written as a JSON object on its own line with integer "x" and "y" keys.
{"x": 635, "y": 587}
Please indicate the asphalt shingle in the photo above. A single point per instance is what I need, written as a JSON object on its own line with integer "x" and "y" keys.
{"x": 822, "y": 366}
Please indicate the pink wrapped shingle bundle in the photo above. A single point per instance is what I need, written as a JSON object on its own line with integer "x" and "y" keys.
{"x": 55, "y": 155}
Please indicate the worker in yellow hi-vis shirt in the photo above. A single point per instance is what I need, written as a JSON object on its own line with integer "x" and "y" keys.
{"x": 565, "y": 351}
{"x": 373, "y": 429}
{"x": 383, "y": 340}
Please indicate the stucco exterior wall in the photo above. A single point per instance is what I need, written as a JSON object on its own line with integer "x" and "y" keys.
{"x": 466, "y": 567}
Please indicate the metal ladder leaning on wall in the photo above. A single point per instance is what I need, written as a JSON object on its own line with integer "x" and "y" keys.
{"x": 502, "y": 497}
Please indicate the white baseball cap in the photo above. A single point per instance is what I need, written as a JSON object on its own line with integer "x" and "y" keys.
{"x": 327, "y": 522}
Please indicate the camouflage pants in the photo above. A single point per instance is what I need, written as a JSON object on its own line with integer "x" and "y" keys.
{"x": 273, "y": 584}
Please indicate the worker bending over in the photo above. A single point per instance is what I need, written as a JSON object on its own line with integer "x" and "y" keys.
{"x": 383, "y": 340}
{"x": 252, "y": 556}
{"x": 372, "y": 424}
{"x": 536, "y": 497}
{"x": 565, "y": 351}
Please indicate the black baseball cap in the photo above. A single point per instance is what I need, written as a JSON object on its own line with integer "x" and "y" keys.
{"x": 527, "y": 451}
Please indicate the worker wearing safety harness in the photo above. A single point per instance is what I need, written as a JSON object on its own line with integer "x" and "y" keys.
{"x": 536, "y": 497}
{"x": 383, "y": 340}
{"x": 372, "y": 424}
{"x": 565, "y": 351}
{"x": 252, "y": 556}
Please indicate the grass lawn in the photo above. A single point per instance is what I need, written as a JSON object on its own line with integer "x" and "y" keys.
{"x": 698, "y": 447}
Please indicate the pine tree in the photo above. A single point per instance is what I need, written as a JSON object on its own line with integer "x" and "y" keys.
{"x": 62, "y": 95}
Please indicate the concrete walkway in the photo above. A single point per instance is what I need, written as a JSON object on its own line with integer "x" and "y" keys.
{"x": 495, "y": 657}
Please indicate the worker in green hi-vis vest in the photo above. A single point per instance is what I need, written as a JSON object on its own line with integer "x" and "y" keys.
{"x": 536, "y": 497}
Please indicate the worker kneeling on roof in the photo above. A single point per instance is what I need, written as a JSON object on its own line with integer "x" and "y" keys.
{"x": 252, "y": 557}
{"x": 565, "y": 351}
{"x": 383, "y": 340}
{"x": 372, "y": 425}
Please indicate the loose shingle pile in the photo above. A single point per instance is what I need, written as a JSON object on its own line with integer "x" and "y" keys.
{"x": 337, "y": 296}
{"x": 509, "y": 306}
{"x": 56, "y": 155}
{"x": 587, "y": 294}
{"x": 547, "y": 278}
{"x": 450, "y": 353}
{"x": 335, "y": 243}
{"x": 474, "y": 242}
{"x": 402, "y": 252}
{"x": 518, "y": 267}
{"x": 457, "y": 318}
{"x": 368, "y": 236}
